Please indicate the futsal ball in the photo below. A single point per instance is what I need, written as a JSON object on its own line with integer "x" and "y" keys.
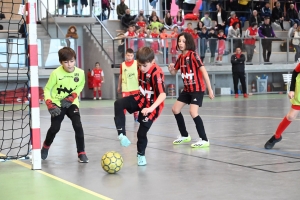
{"x": 112, "y": 162}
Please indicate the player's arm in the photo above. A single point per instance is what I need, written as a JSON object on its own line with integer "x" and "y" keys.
{"x": 52, "y": 108}
{"x": 50, "y": 84}
{"x": 173, "y": 68}
{"x": 293, "y": 81}
{"x": 102, "y": 76}
{"x": 120, "y": 80}
{"x": 207, "y": 81}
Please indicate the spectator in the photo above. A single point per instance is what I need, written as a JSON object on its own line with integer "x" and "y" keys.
{"x": 277, "y": 15}
{"x": 200, "y": 25}
{"x": 188, "y": 6}
{"x": 195, "y": 37}
{"x": 130, "y": 34}
{"x": 206, "y": 20}
{"x": 266, "y": 11}
{"x": 243, "y": 9}
{"x": 106, "y": 6}
{"x": 220, "y": 17}
{"x": 153, "y": 4}
{"x": 178, "y": 20}
{"x": 266, "y": 32}
{"x": 127, "y": 18}
{"x": 296, "y": 43}
{"x": 165, "y": 9}
{"x": 189, "y": 28}
{"x": 180, "y": 4}
{"x": 168, "y": 22}
{"x": 121, "y": 9}
{"x": 141, "y": 23}
{"x": 165, "y": 43}
{"x": 152, "y": 15}
{"x": 250, "y": 37}
{"x": 234, "y": 35}
{"x": 292, "y": 30}
{"x": 232, "y": 19}
{"x": 141, "y": 14}
{"x": 204, "y": 8}
{"x": 203, "y": 35}
{"x": 238, "y": 72}
{"x": 292, "y": 15}
{"x": 255, "y": 18}
{"x": 156, "y": 24}
{"x": 212, "y": 41}
{"x": 221, "y": 46}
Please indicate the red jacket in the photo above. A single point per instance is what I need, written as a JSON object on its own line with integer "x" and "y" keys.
{"x": 251, "y": 41}
{"x": 232, "y": 20}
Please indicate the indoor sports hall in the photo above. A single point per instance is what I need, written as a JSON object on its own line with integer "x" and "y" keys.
{"x": 235, "y": 166}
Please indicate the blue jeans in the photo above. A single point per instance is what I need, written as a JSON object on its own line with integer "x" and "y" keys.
{"x": 293, "y": 21}
{"x": 297, "y": 55}
{"x": 153, "y": 4}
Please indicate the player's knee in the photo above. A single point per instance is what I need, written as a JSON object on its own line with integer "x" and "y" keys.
{"x": 194, "y": 113}
{"x": 54, "y": 129}
{"x": 175, "y": 110}
{"x": 291, "y": 116}
{"x": 117, "y": 104}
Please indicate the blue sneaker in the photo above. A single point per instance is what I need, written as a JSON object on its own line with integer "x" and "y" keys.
{"x": 124, "y": 140}
{"x": 141, "y": 160}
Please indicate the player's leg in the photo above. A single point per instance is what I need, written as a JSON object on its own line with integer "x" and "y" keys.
{"x": 182, "y": 100}
{"x": 136, "y": 113}
{"x": 99, "y": 91}
{"x": 293, "y": 113}
{"x": 197, "y": 98}
{"x": 131, "y": 106}
{"x": 242, "y": 78}
{"x": 51, "y": 133}
{"x": 125, "y": 94}
{"x": 95, "y": 91}
{"x": 74, "y": 115}
{"x": 235, "y": 84}
{"x": 142, "y": 141}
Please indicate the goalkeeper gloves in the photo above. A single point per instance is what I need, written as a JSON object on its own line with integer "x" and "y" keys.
{"x": 68, "y": 101}
{"x": 52, "y": 108}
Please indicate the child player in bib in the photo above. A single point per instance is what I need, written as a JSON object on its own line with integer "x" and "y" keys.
{"x": 98, "y": 79}
{"x": 128, "y": 78}
{"x": 194, "y": 77}
{"x": 61, "y": 96}
{"x": 294, "y": 96}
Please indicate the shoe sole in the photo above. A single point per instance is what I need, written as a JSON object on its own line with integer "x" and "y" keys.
{"x": 82, "y": 161}
{"x": 202, "y": 146}
{"x": 183, "y": 141}
{"x": 143, "y": 164}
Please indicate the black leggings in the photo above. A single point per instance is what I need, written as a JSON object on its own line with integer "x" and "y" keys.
{"x": 131, "y": 106}
{"x": 236, "y": 77}
{"x": 73, "y": 113}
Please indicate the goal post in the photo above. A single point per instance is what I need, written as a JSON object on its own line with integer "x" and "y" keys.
{"x": 34, "y": 84}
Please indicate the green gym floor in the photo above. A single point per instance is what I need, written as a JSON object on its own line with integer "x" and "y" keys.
{"x": 235, "y": 166}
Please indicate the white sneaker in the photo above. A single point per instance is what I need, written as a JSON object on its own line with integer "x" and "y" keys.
{"x": 94, "y": 98}
{"x": 100, "y": 98}
{"x": 181, "y": 139}
{"x": 141, "y": 160}
{"x": 200, "y": 143}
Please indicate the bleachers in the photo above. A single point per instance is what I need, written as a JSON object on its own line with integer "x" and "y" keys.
{"x": 10, "y": 9}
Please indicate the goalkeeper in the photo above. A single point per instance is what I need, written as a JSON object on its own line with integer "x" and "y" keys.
{"x": 61, "y": 96}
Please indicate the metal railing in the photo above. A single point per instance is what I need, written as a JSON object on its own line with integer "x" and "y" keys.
{"x": 46, "y": 23}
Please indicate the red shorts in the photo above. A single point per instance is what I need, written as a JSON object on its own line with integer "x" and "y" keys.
{"x": 296, "y": 107}
{"x": 97, "y": 83}
{"x": 126, "y": 94}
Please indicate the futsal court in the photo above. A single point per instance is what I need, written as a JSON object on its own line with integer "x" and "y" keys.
{"x": 235, "y": 166}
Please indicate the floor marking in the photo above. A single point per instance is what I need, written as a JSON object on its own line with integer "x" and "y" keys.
{"x": 61, "y": 180}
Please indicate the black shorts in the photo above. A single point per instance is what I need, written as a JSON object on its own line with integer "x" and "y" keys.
{"x": 191, "y": 98}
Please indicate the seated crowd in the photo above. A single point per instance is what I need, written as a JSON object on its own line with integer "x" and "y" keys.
{"x": 214, "y": 28}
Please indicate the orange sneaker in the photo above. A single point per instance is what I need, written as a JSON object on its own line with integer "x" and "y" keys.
{"x": 236, "y": 96}
{"x": 246, "y": 95}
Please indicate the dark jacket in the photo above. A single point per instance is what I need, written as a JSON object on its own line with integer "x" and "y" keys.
{"x": 213, "y": 38}
{"x": 291, "y": 14}
{"x": 257, "y": 20}
{"x": 277, "y": 13}
{"x": 121, "y": 8}
{"x": 223, "y": 16}
{"x": 126, "y": 19}
{"x": 238, "y": 64}
{"x": 266, "y": 12}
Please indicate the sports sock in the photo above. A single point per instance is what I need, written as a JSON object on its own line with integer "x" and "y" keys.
{"x": 94, "y": 93}
{"x": 45, "y": 146}
{"x": 181, "y": 124}
{"x": 99, "y": 93}
{"x": 281, "y": 127}
{"x": 200, "y": 128}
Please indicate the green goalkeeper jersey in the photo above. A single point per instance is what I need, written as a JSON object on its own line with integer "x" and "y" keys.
{"x": 62, "y": 83}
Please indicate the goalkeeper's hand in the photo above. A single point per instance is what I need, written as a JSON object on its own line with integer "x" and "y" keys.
{"x": 53, "y": 109}
{"x": 68, "y": 101}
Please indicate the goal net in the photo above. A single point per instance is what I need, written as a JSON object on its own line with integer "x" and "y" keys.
{"x": 15, "y": 99}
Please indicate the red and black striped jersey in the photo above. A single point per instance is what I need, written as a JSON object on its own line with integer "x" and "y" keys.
{"x": 151, "y": 85}
{"x": 189, "y": 65}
